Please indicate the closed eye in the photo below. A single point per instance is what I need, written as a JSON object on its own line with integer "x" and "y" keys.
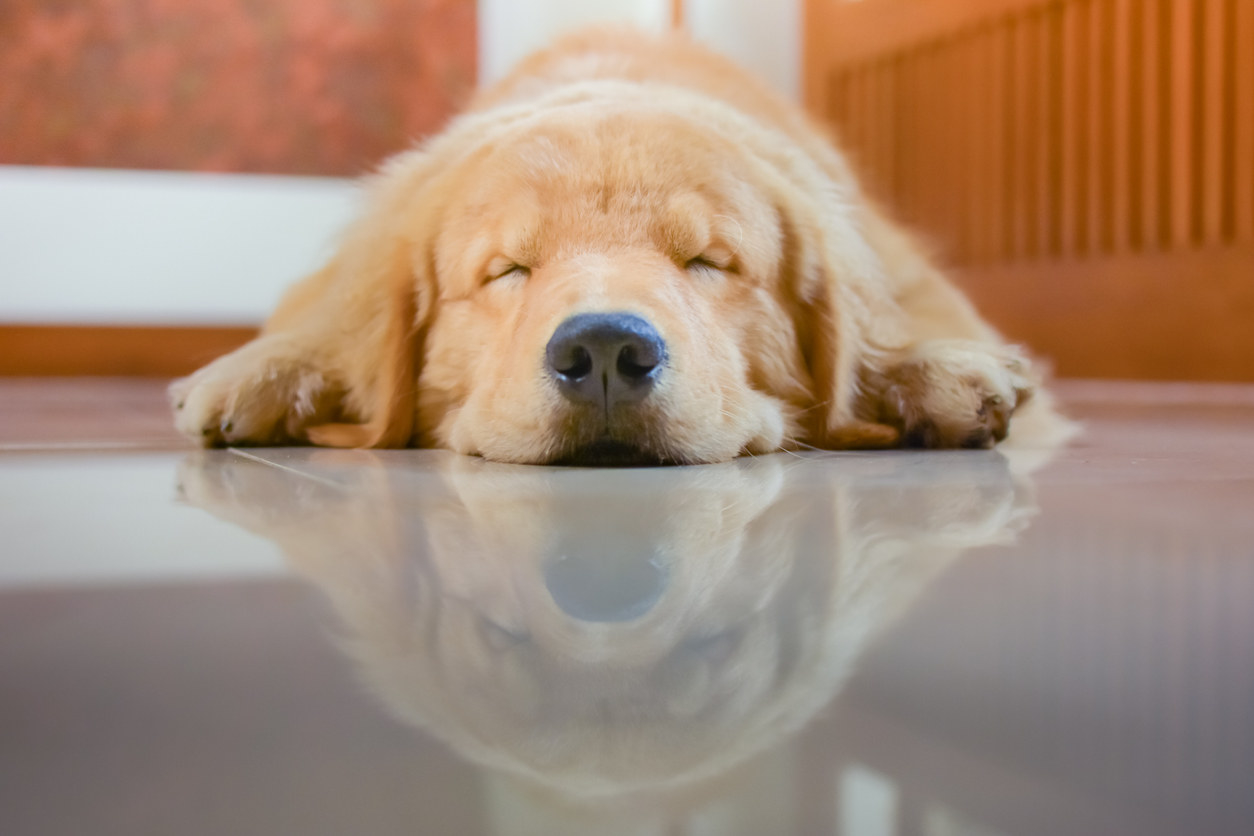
{"x": 504, "y": 269}
{"x": 705, "y": 264}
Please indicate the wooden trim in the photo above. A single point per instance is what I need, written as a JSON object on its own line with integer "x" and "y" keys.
{"x": 1179, "y": 315}
{"x": 129, "y": 351}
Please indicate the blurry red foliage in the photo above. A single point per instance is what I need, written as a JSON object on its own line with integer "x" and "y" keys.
{"x": 281, "y": 86}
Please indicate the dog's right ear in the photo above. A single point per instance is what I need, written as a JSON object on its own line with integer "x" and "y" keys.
{"x": 376, "y": 297}
{"x": 843, "y": 316}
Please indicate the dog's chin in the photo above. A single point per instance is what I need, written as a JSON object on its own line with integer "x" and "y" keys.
{"x": 609, "y": 452}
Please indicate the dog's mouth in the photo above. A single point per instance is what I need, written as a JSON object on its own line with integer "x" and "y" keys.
{"x": 610, "y": 452}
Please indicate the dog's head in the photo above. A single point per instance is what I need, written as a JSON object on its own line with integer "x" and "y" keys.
{"x": 617, "y": 275}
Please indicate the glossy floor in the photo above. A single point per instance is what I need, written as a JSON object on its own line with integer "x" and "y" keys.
{"x": 309, "y": 642}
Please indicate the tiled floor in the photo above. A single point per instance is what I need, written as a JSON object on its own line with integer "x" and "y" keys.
{"x": 307, "y": 642}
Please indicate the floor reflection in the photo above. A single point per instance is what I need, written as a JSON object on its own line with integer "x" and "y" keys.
{"x": 602, "y": 635}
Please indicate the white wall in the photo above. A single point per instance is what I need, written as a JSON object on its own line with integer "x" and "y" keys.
{"x": 139, "y": 247}
{"x": 763, "y": 35}
{"x": 509, "y": 29}
{"x": 84, "y": 245}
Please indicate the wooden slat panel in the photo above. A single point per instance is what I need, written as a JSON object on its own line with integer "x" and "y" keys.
{"x": 1229, "y": 106}
{"x": 1028, "y": 136}
{"x": 948, "y": 102}
{"x": 955, "y": 176}
{"x": 1051, "y": 162}
{"x": 834, "y": 104}
{"x": 996, "y": 71}
{"x": 842, "y": 33}
{"x": 885, "y": 131}
{"x": 1101, "y": 134}
{"x": 67, "y": 350}
{"x": 899, "y": 194}
{"x": 978, "y": 147}
{"x": 906, "y": 190}
{"x": 862, "y": 121}
{"x": 865, "y": 113}
{"x": 931, "y": 109}
{"x": 926, "y": 151}
{"x": 1243, "y": 133}
{"x": 880, "y": 143}
{"x": 1070, "y": 133}
{"x": 1012, "y": 137}
{"x": 1154, "y": 70}
{"x": 1076, "y": 147}
{"x": 857, "y": 113}
{"x": 1215, "y": 123}
{"x": 1125, "y": 141}
{"x": 959, "y": 142}
{"x": 1127, "y": 117}
{"x": 889, "y": 113}
{"x": 969, "y": 167}
{"x": 973, "y": 197}
{"x": 1184, "y": 62}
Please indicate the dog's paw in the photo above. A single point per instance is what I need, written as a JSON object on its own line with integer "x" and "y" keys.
{"x": 955, "y": 393}
{"x": 266, "y": 392}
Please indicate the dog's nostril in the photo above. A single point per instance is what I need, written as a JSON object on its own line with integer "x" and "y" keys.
{"x": 635, "y": 363}
{"x": 575, "y": 367}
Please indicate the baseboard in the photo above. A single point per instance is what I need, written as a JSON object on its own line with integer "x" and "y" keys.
{"x": 1177, "y": 315}
{"x": 123, "y": 351}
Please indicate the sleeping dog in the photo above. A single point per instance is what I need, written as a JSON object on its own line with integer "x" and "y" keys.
{"x": 628, "y": 251}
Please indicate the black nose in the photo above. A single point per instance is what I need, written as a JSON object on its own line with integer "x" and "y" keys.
{"x": 606, "y": 358}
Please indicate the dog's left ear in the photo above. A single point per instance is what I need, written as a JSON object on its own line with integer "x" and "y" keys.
{"x": 845, "y": 316}
{"x": 381, "y": 266}
{"x": 393, "y": 403}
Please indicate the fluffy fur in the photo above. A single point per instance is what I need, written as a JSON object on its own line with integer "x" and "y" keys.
{"x": 630, "y": 173}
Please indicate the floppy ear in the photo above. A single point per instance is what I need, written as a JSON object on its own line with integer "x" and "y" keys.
{"x": 392, "y": 402}
{"x": 845, "y": 319}
{"x": 373, "y": 301}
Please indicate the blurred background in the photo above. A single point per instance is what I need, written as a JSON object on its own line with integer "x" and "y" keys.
{"x": 1085, "y": 167}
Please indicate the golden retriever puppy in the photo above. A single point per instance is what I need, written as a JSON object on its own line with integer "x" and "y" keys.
{"x": 606, "y": 634}
{"x": 628, "y": 251}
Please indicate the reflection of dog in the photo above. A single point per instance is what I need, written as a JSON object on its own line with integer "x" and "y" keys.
{"x": 628, "y": 250}
{"x": 608, "y": 632}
